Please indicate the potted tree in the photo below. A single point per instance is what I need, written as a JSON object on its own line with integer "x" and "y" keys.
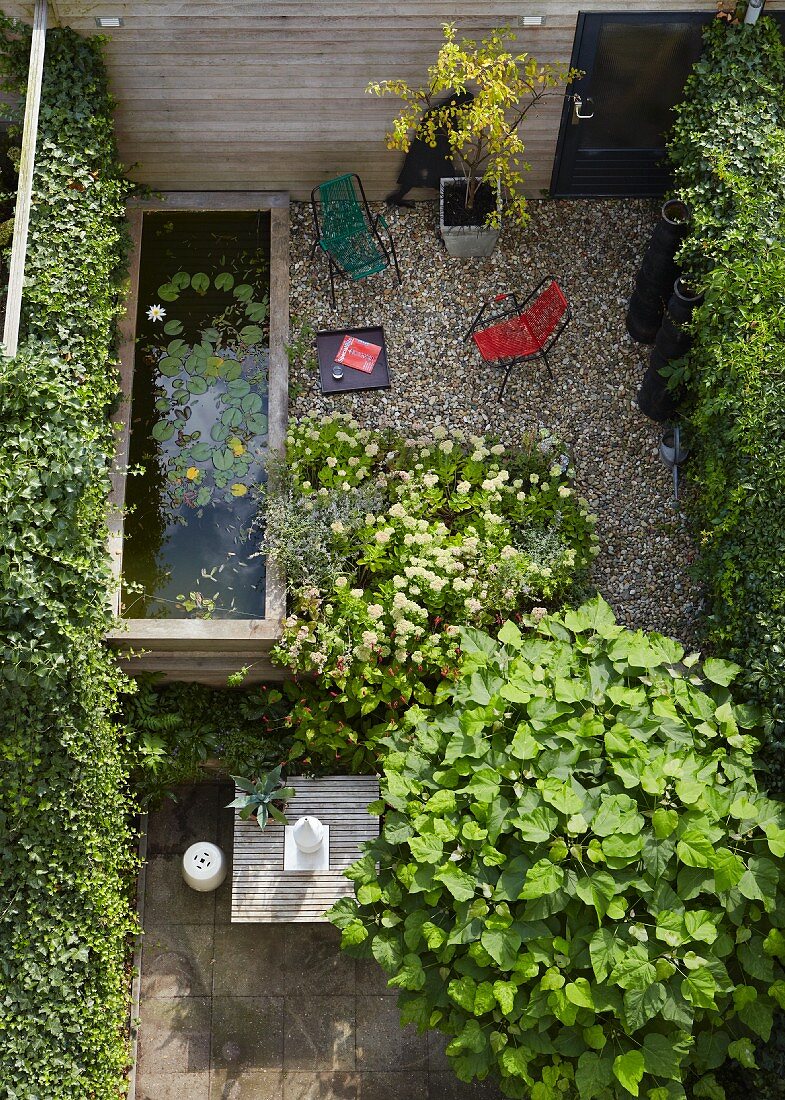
{"x": 496, "y": 90}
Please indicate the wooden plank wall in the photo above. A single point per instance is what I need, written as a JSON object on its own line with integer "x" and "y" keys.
{"x": 222, "y": 95}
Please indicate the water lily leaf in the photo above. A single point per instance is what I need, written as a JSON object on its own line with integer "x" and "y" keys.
{"x": 170, "y": 366}
{"x": 201, "y": 451}
{"x": 238, "y": 387}
{"x": 180, "y": 422}
{"x": 191, "y": 363}
{"x": 181, "y": 280}
{"x": 257, "y": 423}
{"x": 212, "y": 335}
{"x": 168, "y": 292}
{"x": 163, "y": 430}
{"x": 200, "y": 282}
{"x": 256, "y": 311}
{"x": 241, "y": 467}
{"x": 233, "y": 371}
{"x": 224, "y": 281}
{"x": 197, "y": 384}
{"x": 220, "y": 481}
{"x": 219, "y": 432}
{"x": 215, "y": 361}
{"x": 238, "y": 490}
{"x": 223, "y": 458}
{"x": 243, "y": 292}
{"x": 173, "y": 328}
{"x": 251, "y": 334}
{"x": 176, "y": 347}
{"x": 231, "y": 417}
{"x": 163, "y": 404}
{"x": 251, "y": 403}
{"x": 204, "y": 496}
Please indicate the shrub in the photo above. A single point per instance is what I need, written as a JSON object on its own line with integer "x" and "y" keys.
{"x": 65, "y": 845}
{"x": 391, "y": 546}
{"x": 577, "y": 879}
{"x": 728, "y": 148}
{"x": 173, "y": 731}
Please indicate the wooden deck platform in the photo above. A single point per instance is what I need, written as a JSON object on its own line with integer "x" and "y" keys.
{"x": 261, "y": 889}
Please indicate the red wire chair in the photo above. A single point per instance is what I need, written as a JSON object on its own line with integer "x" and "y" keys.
{"x": 524, "y": 330}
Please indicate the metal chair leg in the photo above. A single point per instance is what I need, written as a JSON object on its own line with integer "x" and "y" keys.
{"x": 503, "y": 386}
{"x": 332, "y": 279}
{"x": 313, "y": 250}
{"x": 547, "y": 364}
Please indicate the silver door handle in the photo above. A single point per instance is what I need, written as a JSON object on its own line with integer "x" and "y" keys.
{"x": 578, "y": 104}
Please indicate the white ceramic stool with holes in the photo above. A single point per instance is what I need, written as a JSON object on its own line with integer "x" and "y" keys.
{"x": 204, "y": 866}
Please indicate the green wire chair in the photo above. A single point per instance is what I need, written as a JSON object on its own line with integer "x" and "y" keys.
{"x": 348, "y": 233}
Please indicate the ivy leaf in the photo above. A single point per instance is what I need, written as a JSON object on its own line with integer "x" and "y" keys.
{"x": 664, "y": 822}
{"x": 699, "y": 988}
{"x": 597, "y": 889}
{"x": 593, "y": 1075}
{"x": 561, "y": 795}
{"x": 537, "y": 825}
{"x": 426, "y": 849}
{"x": 628, "y": 1069}
{"x": 634, "y": 970}
{"x": 502, "y": 945}
{"x": 543, "y": 878}
{"x": 603, "y": 952}
{"x": 459, "y": 883}
{"x": 642, "y": 1005}
{"x": 387, "y": 951}
{"x": 462, "y": 991}
{"x": 701, "y": 925}
{"x": 695, "y": 849}
{"x": 743, "y": 1051}
{"x": 661, "y": 1056}
{"x": 728, "y": 869}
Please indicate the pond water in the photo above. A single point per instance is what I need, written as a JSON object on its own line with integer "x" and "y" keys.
{"x": 198, "y": 418}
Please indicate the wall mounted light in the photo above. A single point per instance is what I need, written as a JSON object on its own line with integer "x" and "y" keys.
{"x": 107, "y": 22}
{"x": 531, "y": 20}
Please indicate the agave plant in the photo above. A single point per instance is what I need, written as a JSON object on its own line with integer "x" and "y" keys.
{"x": 260, "y": 797}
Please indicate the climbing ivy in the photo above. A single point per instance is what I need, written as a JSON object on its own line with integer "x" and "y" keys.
{"x": 65, "y": 842}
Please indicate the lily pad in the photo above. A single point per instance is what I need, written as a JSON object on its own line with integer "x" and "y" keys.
{"x": 197, "y": 385}
{"x": 170, "y": 366}
{"x": 251, "y": 403}
{"x": 238, "y": 387}
{"x": 257, "y": 423}
{"x": 191, "y": 364}
{"x": 251, "y": 334}
{"x": 224, "y": 281}
{"x": 201, "y": 451}
{"x": 163, "y": 404}
{"x": 163, "y": 430}
{"x": 181, "y": 280}
{"x": 257, "y": 311}
{"x": 223, "y": 459}
{"x": 232, "y": 417}
{"x": 233, "y": 371}
{"x": 167, "y": 292}
{"x": 238, "y": 489}
{"x": 211, "y": 334}
{"x": 220, "y": 481}
{"x": 243, "y": 292}
{"x": 173, "y": 328}
{"x": 200, "y": 282}
{"x": 219, "y": 432}
{"x": 203, "y": 496}
{"x": 175, "y": 348}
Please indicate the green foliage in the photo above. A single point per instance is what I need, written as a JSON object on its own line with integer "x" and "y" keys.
{"x": 174, "y": 732}
{"x": 389, "y": 547}
{"x": 484, "y": 135}
{"x": 262, "y": 798}
{"x": 577, "y": 878}
{"x": 728, "y": 148}
{"x": 65, "y": 845}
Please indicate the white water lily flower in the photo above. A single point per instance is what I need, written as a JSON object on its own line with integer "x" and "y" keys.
{"x": 156, "y": 313}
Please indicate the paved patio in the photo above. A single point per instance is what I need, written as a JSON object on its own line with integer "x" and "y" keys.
{"x": 262, "y": 1011}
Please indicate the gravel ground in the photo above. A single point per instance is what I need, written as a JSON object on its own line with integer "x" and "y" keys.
{"x": 594, "y": 248}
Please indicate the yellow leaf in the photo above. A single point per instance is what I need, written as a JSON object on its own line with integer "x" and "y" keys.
{"x": 237, "y": 447}
{"x": 192, "y": 473}
{"x": 238, "y": 490}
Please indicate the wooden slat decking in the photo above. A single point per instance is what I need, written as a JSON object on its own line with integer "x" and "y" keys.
{"x": 237, "y": 95}
{"x": 263, "y": 891}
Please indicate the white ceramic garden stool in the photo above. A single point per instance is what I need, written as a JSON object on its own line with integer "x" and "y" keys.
{"x": 204, "y": 866}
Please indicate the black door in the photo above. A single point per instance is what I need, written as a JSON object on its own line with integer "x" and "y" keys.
{"x": 636, "y": 67}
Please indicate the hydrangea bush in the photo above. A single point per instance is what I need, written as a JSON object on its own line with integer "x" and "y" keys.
{"x": 577, "y": 879}
{"x": 390, "y": 546}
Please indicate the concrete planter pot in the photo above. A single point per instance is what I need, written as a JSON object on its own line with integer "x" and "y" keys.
{"x": 464, "y": 241}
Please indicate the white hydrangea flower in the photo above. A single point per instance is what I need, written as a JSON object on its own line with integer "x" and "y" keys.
{"x": 332, "y": 462}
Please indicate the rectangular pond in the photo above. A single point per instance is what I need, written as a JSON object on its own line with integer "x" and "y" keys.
{"x": 205, "y": 386}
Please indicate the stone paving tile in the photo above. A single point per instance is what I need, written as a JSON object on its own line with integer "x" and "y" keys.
{"x": 372, "y": 980}
{"x": 173, "y": 1086}
{"x": 319, "y": 1033}
{"x": 403, "y": 1085}
{"x": 168, "y": 900}
{"x": 193, "y": 816}
{"x": 382, "y": 1045}
{"x": 314, "y": 962}
{"x": 249, "y": 960}
{"x": 446, "y": 1086}
{"x": 320, "y": 1086}
{"x": 174, "y": 1035}
{"x": 177, "y": 960}
{"x": 437, "y": 1059}
{"x": 245, "y": 1084}
{"x": 247, "y": 1033}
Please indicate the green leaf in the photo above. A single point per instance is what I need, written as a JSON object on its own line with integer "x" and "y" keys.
{"x": 200, "y": 282}
{"x": 167, "y": 292}
{"x": 462, "y": 991}
{"x": 634, "y": 970}
{"x": 224, "y": 281}
{"x": 387, "y": 951}
{"x": 728, "y": 869}
{"x": 579, "y": 993}
{"x": 617, "y": 813}
{"x": 699, "y": 988}
{"x": 243, "y": 292}
{"x": 426, "y": 849}
{"x": 661, "y": 1056}
{"x": 181, "y": 280}
{"x": 460, "y": 884}
{"x": 162, "y": 430}
{"x": 593, "y": 1075}
{"x": 695, "y": 849}
{"x": 537, "y": 825}
{"x": 664, "y": 822}
{"x": 543, "y": 878}
{"x": 720, "y": 672}
{"x": 743, "y": 1051}
{"x": 642, "y": 1005}
{"x": 502, "y": 945}
{"x": 701, "y": 925}
{"x": 628, "y": 1069}
{"x": 598, "y": 890}
{"x": 510, "y": 635}
{"x": 173, "y": 327}
{"x": 603, "y": 952}
{"x": 197, "y": 385}
{"x": 223, "y": 458}
{"x": 251, "y": 334}
{"x": 561, "y": 795}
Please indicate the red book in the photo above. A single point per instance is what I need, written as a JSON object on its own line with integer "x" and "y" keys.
{"x": 358, "y": 354}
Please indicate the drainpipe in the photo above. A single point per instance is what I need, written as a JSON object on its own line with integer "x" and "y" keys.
{"x": 754, "y": 8}
{"x": 16, "y": 272}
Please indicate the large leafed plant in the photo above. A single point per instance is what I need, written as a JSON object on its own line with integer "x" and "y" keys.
{"x": 577, "y": 878}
